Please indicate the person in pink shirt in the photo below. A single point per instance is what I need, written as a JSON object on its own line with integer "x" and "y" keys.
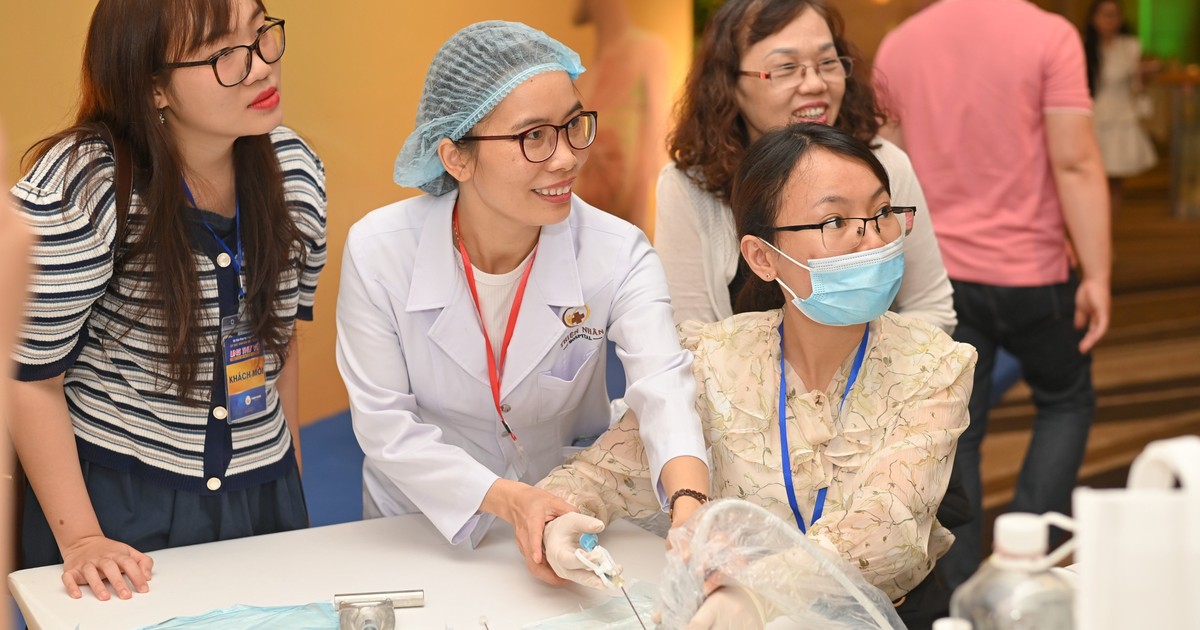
{"x": 990, "y": 100}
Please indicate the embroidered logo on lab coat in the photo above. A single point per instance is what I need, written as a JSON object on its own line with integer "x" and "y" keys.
{"x": 586, "y": 333}
{"x": 576, "y": 316}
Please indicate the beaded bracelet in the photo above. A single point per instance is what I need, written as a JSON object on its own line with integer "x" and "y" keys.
{"x": 685, "y": 492}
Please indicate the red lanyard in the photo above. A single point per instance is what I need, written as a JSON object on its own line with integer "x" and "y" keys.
{"x": 494, "y": 369}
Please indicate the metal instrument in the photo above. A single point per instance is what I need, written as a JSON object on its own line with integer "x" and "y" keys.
{"x": 400, "y": 599}
{"x": 600, "y": 561}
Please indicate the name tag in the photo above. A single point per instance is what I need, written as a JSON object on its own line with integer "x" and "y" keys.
{"x": 245, "y": 370}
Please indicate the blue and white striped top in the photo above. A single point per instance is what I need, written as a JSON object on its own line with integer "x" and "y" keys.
{"x": 89, "y": 324}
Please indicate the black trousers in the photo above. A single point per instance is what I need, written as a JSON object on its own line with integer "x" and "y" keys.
{"x": 1036, "y": 325}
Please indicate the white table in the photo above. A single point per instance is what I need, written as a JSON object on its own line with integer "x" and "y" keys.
{"x": 403, "y": 552}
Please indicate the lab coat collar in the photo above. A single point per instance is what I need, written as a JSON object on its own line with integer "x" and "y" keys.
{"x": 556, "y": 270}
{"x": 438, "y": 282}
{"x": 437, "y": 277}
{"x": 554, "y": 283}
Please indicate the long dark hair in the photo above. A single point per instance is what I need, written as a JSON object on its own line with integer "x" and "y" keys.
{"x": 710, "y": 137}
{"x": 759, "y": 184}
{"x": 1091, "y": 42}
{"x": 129, "y": 42}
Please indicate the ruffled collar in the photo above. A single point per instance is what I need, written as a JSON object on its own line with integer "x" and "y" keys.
{"x": 819, "y": 436}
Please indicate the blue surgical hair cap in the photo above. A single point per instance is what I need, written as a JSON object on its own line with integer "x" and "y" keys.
{"x": 470, "y": 74}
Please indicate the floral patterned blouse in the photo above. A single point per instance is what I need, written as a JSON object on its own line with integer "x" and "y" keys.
{"x": 886, "y": 457}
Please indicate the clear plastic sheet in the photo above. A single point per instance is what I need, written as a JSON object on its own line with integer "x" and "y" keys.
{"x": 731, "y": 541}
{"x": 614, "y": 614}
{"x": 315, "y": 616}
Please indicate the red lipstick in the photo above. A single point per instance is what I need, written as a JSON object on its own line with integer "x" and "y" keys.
{"x": 267, "y": 99}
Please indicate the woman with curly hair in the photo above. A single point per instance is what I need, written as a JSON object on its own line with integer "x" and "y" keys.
{"x": 761, "y": 65}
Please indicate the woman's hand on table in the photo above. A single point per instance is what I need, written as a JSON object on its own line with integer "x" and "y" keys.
{"x": 527, "y": 509}
{"x": 93, "y": 559}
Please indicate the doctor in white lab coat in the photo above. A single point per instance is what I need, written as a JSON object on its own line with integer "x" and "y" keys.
{"x": 501, "y": 279}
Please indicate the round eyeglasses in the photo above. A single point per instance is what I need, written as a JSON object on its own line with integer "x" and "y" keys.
{"x": 540, "y": 142}
{"x": 840, "y": 235}
{"x": 232, "y": 65}
{"x": 790, "y": 75}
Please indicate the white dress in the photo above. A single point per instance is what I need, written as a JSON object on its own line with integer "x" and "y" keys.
{"x": 1124, "y": 145}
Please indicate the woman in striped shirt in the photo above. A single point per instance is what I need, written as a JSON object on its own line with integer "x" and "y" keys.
{"x": 180, "y": 231}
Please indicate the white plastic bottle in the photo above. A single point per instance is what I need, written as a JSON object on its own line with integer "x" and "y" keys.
{"x": 1015, "y": 589}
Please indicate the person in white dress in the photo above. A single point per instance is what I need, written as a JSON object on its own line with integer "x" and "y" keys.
{"x": 1114, "y": 58}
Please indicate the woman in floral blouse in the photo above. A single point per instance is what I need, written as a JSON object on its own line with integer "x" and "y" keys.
{"x": 875, "y": 401}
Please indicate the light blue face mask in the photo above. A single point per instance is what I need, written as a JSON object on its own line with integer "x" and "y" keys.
{"x": 852, "y": 288}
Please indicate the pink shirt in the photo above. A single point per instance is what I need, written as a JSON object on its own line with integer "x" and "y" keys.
{"x": 971, "y": 82}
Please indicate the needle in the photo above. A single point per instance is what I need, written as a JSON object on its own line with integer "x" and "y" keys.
{"x": 588, "y": 542}
{"x": 635, "y": 612}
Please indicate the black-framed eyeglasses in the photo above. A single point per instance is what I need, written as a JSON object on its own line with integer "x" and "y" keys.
{"x": 540, "y": 142}
{"x": 790, "y": 75}
{"x": 842, "y": 234}
{"x": 232, "y": 65}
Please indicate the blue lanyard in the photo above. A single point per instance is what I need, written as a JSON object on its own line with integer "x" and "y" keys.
{"x": 237, "y": 221}
{"x": 783, "y": 439}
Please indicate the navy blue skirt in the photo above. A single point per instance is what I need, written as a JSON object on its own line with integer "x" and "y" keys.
{"x": 148, "y": 516}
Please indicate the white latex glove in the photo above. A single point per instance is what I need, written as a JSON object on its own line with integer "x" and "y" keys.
{"x": 561, "y": 539}
{"x": 729, "y": 608}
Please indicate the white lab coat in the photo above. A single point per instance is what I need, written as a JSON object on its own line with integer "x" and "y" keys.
{"x": 411, "y": 352}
